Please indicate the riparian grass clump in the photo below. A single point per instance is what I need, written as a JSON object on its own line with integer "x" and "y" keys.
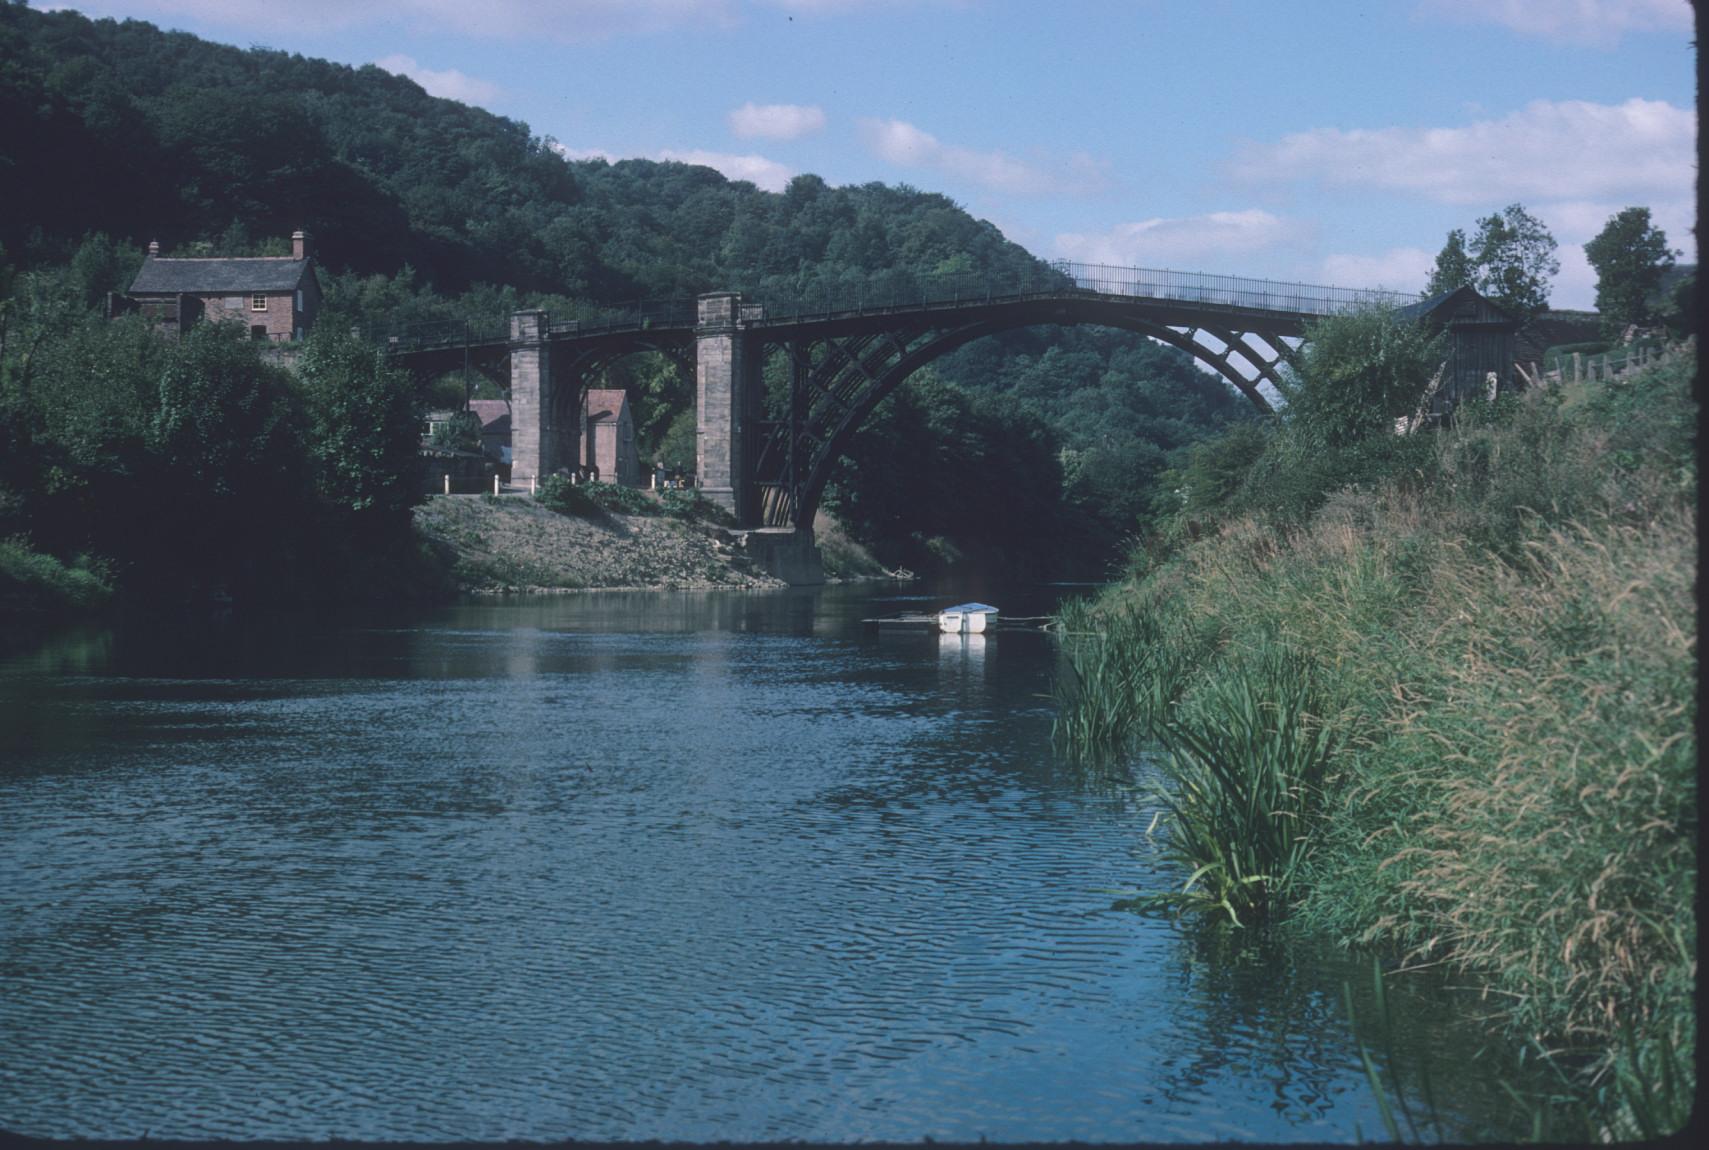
{"x": 1447, "y": 712}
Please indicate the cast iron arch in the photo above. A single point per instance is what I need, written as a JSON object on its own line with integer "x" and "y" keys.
{"x": 831, "y": 399}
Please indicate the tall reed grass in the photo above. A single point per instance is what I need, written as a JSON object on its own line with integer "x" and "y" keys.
{"x": 1245, "y": 767}
{"x": 1502, "y": 643}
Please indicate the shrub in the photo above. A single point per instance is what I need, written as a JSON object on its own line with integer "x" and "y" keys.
{"x": 30, "y": 580}
{"x": 688, "y": 503}
{"x": 559, "y": 494}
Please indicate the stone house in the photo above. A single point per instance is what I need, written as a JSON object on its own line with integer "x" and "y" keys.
{"x": 606, "y": 434}
{"x": 276, "y": 298}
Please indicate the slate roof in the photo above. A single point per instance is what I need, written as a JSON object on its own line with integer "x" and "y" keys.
{"x": 1428, "y": 307}
{"x": 218, "y": 276}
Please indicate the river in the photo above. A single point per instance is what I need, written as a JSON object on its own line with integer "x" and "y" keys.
{"x": 628, "y": 866}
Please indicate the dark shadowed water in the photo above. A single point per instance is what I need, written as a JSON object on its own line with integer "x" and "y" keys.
{"x": 624, "y": 866}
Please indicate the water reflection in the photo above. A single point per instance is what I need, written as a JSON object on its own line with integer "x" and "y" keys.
{"x": 615, "y": 866}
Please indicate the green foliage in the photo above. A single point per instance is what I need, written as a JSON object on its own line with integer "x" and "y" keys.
{"x": 1680, "y": 313}
{"x": 363, "y": 423}
{"x": 676, "y": 448}
{"x": 31, "y": 581}
{"x": 1245, "y": 766}
{"x": 622, "y": 500}
{"x": 1630, "y": 255}
{"x": 223, "y": 421}
{"x": 687, "y": 503}
{"x": 1361, "y": 370}
{"x": 1515, "y": 258}
{"x": 564, "y": 497}
{"x": 1215, "y": 473}
{"x": 587, "y": 499}
{"x": 1454, "y": 266}
{"x": 462, "y": 432}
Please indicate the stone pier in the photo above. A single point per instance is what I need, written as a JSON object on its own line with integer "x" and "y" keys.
{"x": 726, "y": 374}
{"x": 534, "y": 434}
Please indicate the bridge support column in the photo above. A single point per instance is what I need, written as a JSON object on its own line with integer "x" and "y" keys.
{"x": 726, "y": 382}
{"x": 533, "y": 434}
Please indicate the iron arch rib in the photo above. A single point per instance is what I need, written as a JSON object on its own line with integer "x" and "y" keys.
{"x": 859, "y": 369}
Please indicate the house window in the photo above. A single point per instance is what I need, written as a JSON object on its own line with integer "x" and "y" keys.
{"x": 257, "y": 303}
{"x": 299, "y": 299}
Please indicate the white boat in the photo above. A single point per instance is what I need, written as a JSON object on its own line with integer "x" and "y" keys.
{"x": 968, "y": 618}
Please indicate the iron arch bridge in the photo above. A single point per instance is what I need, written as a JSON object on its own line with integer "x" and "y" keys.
{"x": 847, "y": 346}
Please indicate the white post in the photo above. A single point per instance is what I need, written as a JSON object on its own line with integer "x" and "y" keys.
{"x": 447, "y": 483}
{"x": 531, "y": 485}
{"x": 495, "y": 483}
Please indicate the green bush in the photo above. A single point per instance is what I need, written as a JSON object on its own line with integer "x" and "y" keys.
{"x": 688, "y": 503}
{"x": 559, "y": 494}
{"x": 622, "y": 500}
{"x": 32, "y": 581}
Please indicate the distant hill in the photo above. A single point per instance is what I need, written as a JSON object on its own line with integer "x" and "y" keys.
{"x": 119, "y": 127}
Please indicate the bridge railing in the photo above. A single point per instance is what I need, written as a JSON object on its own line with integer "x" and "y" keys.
{"x": 435, "y": 334}
{"x": 899, "y": 291}
{"x": 1231, "y": 291}
{"x": 781, "y": 298}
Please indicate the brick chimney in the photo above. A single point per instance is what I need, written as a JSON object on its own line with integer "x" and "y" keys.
{"x": 301, "y": 245}
{"x": 154, "y": 248}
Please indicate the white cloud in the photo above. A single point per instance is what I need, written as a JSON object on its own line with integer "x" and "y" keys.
{"x": 1398, "y": 269}
{"x": 583, "y": 153}
{"x": 1601, "y": 23}
{"x": 767, "y": 174}
{"x": 1183, "y": 241}
{"x": 763, "y": 173}
{"x": 1569, "y": 149}
{"x": 451, "y": 84}
{"x": 776, "y": 121}
{"x": 902, "y": 144}
{"x": 567, "y": 21}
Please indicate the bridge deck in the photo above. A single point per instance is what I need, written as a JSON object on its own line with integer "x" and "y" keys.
{"x": 1185, "y": 294}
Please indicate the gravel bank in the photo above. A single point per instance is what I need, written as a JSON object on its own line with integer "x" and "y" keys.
{"x": 511, "y": 543}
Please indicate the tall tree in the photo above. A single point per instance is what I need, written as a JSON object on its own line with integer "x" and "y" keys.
{"x": 1630, "y": 256}
{"x": 1454, "y": 267}
{"x": 1515, "y": 258}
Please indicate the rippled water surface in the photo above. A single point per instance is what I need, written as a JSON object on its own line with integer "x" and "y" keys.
{"x": 617, "y": 866}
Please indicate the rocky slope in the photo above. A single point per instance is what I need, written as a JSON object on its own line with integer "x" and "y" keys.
{"x": 512, "y": 543}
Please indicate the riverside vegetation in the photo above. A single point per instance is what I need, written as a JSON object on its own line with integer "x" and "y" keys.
{"x": 1435, "y": 694}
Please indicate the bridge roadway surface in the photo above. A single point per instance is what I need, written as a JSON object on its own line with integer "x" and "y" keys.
{"x": 850, "y": 345}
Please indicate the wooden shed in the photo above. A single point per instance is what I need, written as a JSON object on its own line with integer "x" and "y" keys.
{"x": 1480, "y": 344}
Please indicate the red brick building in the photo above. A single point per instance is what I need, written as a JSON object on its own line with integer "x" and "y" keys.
{"x": 607, "y": 435}
{"x": 276, "y": 298}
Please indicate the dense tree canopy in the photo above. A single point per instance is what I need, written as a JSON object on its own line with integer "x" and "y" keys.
{"x": 1630, "y": 256}
{"x": 1515, "y": 259}
{"x": 1454, "y": 267}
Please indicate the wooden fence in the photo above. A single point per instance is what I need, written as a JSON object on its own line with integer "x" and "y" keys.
{"x": 1612, "y": 364}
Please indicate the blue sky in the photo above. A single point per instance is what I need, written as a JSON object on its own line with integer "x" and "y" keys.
{"x": 1329, "y": 141}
